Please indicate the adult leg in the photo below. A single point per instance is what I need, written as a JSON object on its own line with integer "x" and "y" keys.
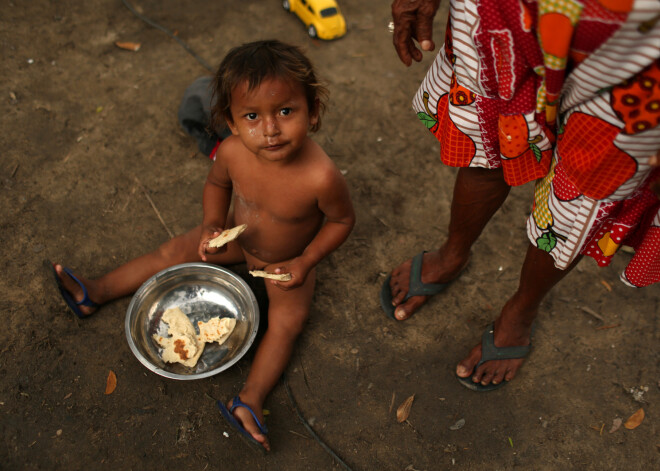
{"x": 287, "y": 315}
{"x": 513, "y": 327}
{"x": 478, "y": 194}
{"x": 127, "y": 278}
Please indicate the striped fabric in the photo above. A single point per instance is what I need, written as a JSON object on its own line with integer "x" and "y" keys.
{"x": 565, "y": 92}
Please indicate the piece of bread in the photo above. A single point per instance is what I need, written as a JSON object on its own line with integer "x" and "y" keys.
{"x": 227, "y": 236}
{"x": 216, "y": 329}
{"x": 182, "y": 346}
{"x": 271, "y": 276}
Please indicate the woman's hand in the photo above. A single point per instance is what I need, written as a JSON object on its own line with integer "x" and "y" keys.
{"x": 413, "y": 19}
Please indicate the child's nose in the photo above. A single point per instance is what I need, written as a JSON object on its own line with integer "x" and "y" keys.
{"x": 271, "y": 128}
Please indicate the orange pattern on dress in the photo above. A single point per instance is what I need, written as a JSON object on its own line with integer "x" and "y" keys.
{"x": 523, "y": 160}
{"x": 617, "y": 6}
{"x": 456, "y": 147}
{"x": 590, "y": 157}
{"x": 555, "y": 31}
{"x": 459, "y": 95}
{"x": 637, "y": 101}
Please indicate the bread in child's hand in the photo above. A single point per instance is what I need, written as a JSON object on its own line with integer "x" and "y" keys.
{"x": 271, "y": 276}
{"x": 227, "y": 236}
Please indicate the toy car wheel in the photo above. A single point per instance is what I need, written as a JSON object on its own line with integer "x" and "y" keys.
{"x": 286, "y": 5}
{"x": 312, "y": 31}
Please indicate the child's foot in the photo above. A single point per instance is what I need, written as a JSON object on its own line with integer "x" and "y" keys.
{"x": 506, "y": 332}
{"x": 245, "y": 418}
{"x": 437, "y": 267}
{"x": 76, "y": 288}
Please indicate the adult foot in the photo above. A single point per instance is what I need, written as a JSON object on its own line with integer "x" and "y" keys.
{"x": 507, "y": 332}
{"x": 76, "y": 290}
{"x": 437, "y": 267}
{"x": 245, "y": 418}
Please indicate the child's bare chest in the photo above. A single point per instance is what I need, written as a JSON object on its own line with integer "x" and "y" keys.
{"x": 284, "y": 197}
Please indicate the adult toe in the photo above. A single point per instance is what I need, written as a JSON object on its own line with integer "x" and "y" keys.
{"x": 485, "y": 374}
{"x": 498, "y": 376}
{"x": 466, "y": 366}
{"x": 407, "y": 309}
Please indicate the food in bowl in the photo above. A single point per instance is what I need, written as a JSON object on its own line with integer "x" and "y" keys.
{"x": 216, "y": 329}
{"x": 184, "y": 345}
{"x": 202, "y": 291}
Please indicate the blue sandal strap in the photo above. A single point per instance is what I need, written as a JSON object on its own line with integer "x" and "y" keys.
{"x": 85, "y": 300}
{"x": 236, "y": 402}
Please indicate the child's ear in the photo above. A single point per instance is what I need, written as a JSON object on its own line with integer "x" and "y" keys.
{"x": 232, "y": 126}
{"x": 314, "y": 113}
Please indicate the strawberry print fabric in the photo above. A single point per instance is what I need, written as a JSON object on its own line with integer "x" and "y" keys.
{"x": 565, "y": 92}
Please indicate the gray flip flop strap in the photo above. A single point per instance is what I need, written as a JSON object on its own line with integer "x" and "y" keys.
{"x": 490, "y": 352}
{"x": 416, "y": 287}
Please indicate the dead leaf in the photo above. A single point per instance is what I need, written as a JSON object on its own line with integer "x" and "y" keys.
{"x": 129, "y": 46}
{"x": 111, "y": 383}
{"x": 616, "y": 423}
{"x": 403, "y": 411}
{"x": 634, "y": 420}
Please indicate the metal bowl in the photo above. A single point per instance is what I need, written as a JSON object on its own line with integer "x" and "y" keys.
{"x": 201, "y": 291}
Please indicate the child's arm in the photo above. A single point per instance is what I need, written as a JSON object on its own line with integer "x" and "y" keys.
{"x": 216, "y": 201}
{"x": 335, "y": 203}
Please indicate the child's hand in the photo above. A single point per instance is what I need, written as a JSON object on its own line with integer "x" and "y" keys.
{"x": 208, "y": 234}
{"x": 298, "y": 270}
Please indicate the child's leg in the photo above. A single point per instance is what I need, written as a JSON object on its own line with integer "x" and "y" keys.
{"x": 127, "y": 278}
{"x": 514, "y": 325}
{"x": 287, "y": 314}
{"x": 478, "y": 194}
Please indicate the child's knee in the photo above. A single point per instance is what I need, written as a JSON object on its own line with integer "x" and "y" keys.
{"x": 174, "y": 251}
{"x": 290, "y": 323}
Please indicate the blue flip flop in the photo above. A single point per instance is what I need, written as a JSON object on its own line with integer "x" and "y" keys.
{"x": 415, "y": 286}
{"x": 72, "y": 303}
{"x": 490, "y": 352}
{"x": 231, "y": 420}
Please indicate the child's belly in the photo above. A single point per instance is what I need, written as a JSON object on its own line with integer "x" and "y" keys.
{"x": 272, "y": 240}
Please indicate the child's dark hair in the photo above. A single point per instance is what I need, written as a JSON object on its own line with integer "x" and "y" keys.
{"x": 258, "y": 61}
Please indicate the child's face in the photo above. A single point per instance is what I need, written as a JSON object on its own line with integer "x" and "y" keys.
{"x": 272, "y": 119}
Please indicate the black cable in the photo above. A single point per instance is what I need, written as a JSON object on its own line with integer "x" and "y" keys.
{"x": 169, "y": 33}
{"x": 309, "y": 428}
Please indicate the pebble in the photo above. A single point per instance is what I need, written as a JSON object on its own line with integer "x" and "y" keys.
{"x": 458, "y": 425}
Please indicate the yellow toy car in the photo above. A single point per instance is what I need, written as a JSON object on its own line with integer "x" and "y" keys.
{"x": 321, "y": 17}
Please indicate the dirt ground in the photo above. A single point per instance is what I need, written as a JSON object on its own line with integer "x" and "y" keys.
{"x": 87, "y": 126}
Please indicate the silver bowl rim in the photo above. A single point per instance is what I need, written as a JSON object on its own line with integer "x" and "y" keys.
{"x": 167, "y": 374}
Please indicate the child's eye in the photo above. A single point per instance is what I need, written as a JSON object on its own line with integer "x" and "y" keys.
{"x": 251, "y": 116}
{"x": 285, "y": 111}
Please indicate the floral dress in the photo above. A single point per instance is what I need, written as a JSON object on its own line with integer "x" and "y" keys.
{"x": 567, "y": 93}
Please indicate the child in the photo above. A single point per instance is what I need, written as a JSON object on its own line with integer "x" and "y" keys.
{"x": 292, "y": 197}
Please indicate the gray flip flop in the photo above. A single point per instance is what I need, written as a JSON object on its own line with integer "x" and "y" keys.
{"x": 415, "y": 286}
{"x": 490, "y": 352}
